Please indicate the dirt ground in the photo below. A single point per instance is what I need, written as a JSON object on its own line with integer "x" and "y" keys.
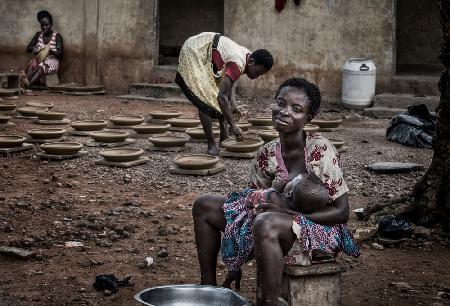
{"x": 123, "y": 216}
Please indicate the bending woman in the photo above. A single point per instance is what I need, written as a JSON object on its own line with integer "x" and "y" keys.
{"x": 281, "y": 238}
{"x": 47, "y": 46}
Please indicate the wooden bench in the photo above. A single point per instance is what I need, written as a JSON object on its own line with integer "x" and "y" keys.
{"x": 318, "y": 285}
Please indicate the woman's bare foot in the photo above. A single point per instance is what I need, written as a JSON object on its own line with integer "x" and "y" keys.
{"x": 24, "y": 79}
{"x": 213, "y": 150}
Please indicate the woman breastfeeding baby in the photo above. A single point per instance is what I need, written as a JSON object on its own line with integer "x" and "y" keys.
{"x": 294, "y": 208}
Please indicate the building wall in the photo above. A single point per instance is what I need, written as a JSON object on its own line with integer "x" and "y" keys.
{"x": 109, "y": 42}
{"x": 315, "y": 38}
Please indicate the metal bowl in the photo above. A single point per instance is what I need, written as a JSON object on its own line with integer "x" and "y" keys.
{"x": 197, "y": 295}
{"x": 89, "y": 125}
{"x": 246, "y": 145}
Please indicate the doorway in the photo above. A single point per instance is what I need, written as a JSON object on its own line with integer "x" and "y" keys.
{"x": 181, "y": 19}
{"x": 418, "y": 38}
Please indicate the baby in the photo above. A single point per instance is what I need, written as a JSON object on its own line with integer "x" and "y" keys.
{"x": 304, "y": 194}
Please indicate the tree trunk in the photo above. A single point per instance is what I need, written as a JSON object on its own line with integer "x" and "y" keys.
{"x": 431, "y": 203}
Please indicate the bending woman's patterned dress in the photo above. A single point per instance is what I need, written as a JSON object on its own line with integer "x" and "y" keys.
{"x": 48, "y": 61}
{"x": 269, "y": 170}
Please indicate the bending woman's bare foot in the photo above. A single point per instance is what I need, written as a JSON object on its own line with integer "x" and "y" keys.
{"x": 213, "y": 150}
{"x": 24, "y": 79}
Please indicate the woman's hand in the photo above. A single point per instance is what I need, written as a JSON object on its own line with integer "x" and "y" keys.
{"x": 36, "y": 50}
{"x": 237, "y": 131}
{"x": 233, "y": 276}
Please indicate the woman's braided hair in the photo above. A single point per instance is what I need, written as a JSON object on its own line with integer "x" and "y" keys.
{"x": 311, "y": 91}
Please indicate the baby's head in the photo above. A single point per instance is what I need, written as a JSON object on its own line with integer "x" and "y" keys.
{"x": 306, "y": 193}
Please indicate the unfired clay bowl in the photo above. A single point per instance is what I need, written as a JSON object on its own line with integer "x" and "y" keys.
{"x": 109, "y": 136}
{"x": 262, "y": 121}
{"x": 198, "y": 133}
{"x": 61, "y": 148}
{"x": 327, "y": 123}
{"x": 121, "y": 154}
{"x": 168, "y": 141}
{"x": 11, "y": 141}
{"x": 30, "y": 110}
{"x": 164, "y": 115}
{"x": 311, "y": 128}
{"x": 183, "y": 122}
{"x": 89, "y": 125}
{"x": 47, "y": 115}
{"x": 127, "y": 119}
{"x": 196, "y": 161}
{"x": 4, "y": 119}
{"x": 268, "y": 135}
{"x": 246, "y": 145}
{"x": 6, "y": 107}
{"x": 39, "y": 104}
{"x": 151, "y": 128}
{"x": 337, "y": 143}
{"x": 46, "y": 133}
{"x": 245, "y": 126}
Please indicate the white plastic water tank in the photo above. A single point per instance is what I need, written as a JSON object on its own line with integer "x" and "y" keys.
{"x": 358, "y": 83}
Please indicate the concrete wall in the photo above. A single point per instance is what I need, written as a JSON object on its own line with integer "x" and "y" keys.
{"x": 180, "y": 19}
{"x": 110, "y": 42}
{"x": 315, "y": 39}
{"x": 418, "y": 32}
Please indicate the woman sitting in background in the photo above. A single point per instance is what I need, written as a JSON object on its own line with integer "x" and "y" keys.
{"x": 47, "y": 46}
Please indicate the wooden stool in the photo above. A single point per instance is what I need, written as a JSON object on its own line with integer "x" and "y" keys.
{"x": 318, "y": 285}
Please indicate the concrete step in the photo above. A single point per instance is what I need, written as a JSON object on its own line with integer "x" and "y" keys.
{"x": 403, "y": 100}
{"x": 166, "y": 72}
{"x": 380, "y": 112}
{"x": 415, "y": 84}
{"x": 170, "y": 100}
{"x": 162, "y": 90}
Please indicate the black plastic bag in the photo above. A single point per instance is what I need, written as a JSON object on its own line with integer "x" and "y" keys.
{"x": 394, "y": 228}
{"x": 413, "y": 128}
{"x": 110, "y": 282}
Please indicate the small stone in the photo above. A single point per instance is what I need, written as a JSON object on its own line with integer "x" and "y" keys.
{"x": 402, "y": 286}
{"x": 422, "y": 232}
{"x": 107, "y": 293}
{"x": 81, "y": 290}
{"x": 17, "y": 252}
{"x": 163, "y": 253}
{"x": 377, "y": 246}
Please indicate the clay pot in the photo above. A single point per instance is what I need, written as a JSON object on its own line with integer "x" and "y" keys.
{"x": 30, "y": 110}
{"x": 245, "y": 126}
{"x": 168, "y": 141}
{"x": 247, "y": 145}
{"x": 109, "y": 136}
{"x": 4, "y": 119}
{"x": 184, "y": 122}
{"x": 11, "y": 141}
{"x": 151, "y": 128}
{"x": 327, "y": 123}
{"x": 198, "y": 133}
{"x": 337, "y": 143}
{"x": 121, "y": 154}
{"x": 196, "y": 161}
{"x": 262, "y": 121}
{"x": 164, "y": 115}
{"x": 127, "y": 119}
{"x": 89, "y": 125}
{"x": 39, "y": 104}
{"x": 61, "y": 148}
{"x": 47, "y": 115}
{"x": 7, "y": 107}
{"x": 268, "y": 135}
{"x": 46, "y": 133}
{"x": 311, "y": 128}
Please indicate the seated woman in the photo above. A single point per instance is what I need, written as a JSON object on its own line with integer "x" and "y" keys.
{"x": 280, "y": 237}
{"x": 47, "y": 46}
